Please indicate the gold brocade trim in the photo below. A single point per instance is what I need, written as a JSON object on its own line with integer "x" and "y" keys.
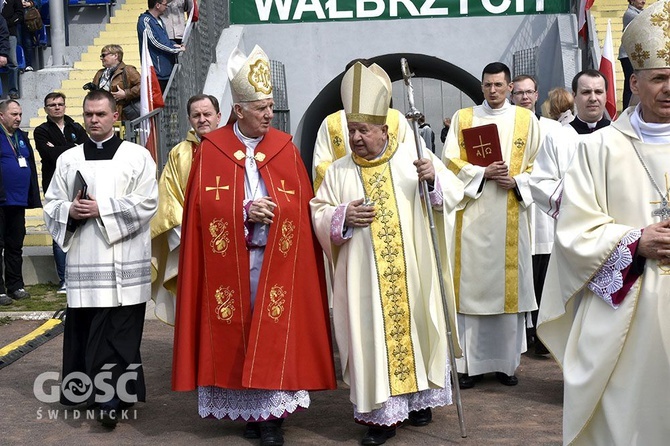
{"x": 387, "y": 241}
{"x": 225, "y": 305}
{"x": 337, "y": 136}
{"x": 276, "y": 305}
{"x": 457, "y": 255}
{"x": 286, "y": 239}
{"x": 520, "y": 139}
{"x": 464, "y": 122}
{"x": 365, "y": 118}
{"x": 220, "y": 241}
{"x": 455, "y": 165}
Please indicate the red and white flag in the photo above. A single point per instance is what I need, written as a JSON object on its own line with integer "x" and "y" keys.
{"x": 607, "y": 70}
{"x": 193, "y": 16}
{"x": 151, "y": 98}
{"x": 584, "y": 6}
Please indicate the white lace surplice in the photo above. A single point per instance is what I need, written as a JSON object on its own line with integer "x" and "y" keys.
{"x": 250, "y": 405}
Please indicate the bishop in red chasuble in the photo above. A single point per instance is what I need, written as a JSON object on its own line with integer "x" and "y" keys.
{"x": 252, "y": 328}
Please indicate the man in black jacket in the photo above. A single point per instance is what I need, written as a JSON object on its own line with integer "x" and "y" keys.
{"x": 18, "y": 191}
{"x": 4, "y": 41}
{"x": 12, "y": 11}
{"x": 58, "y": 134}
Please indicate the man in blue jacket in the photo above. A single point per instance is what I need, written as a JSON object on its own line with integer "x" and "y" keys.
{"x": 18, "y": 191}
{"x": 163, "y": 50}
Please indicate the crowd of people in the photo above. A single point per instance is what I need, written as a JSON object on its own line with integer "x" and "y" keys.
{"x": 566, "y": 213}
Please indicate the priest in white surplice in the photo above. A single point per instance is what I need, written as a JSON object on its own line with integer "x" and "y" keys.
{"x": 492, "y": 266}
{"x": 387, "y": 310}
{"x": 605, "y": 314}
{"x": 106, "y": 235}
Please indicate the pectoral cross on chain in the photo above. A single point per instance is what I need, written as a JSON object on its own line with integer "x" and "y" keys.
{"x": 217, "y": 188}
{"x": 663, "y": 211}
{"x": 286, "y": 192}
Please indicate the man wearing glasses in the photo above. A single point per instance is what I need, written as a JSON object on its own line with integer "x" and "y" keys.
{"x": 163, "y": 51}
{"x": 492, "y": 268}
{"x": 58, "y": 134}
{"x": 524, "y": 94}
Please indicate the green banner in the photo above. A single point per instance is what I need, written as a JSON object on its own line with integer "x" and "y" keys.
{"x": 291, "y": 11}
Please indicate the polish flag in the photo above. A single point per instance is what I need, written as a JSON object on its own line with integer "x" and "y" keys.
{"x": 193, "y": 16}
{"x": 584, "y": 5}
{"x": 151, "y": 98}
{"x": 607, "y": 70}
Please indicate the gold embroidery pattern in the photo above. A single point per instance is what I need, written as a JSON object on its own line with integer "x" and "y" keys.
{"x": 337, "y": 141}
{"x": 276, "y": 306}
{"x": 640, "y": 55}
{"x": 519, "y": 143}
{"x": 220, "y": 241}
{"x": 387, "y": 241}
{"x": 260, "y": 77}
{"x": 225, "y": 308}
{"x": 664, "y": 53}
{"x": 286, "y": 239}
{"x": 662, "y": 19}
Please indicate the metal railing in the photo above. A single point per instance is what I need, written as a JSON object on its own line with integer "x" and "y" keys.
{"x": 187, "y": 79}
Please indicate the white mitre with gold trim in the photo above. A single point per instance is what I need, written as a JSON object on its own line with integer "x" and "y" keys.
{"x": 366, "y": 94}
{"x": 647, "y": 38}
{"x": 250, "y": 76}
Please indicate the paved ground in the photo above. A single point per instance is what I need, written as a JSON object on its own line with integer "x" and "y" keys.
{"x": 528, "y": 414}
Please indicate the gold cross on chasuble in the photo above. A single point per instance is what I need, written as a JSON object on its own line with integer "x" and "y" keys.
{"x": 286, "y": 192}
{"x": 217, "y": 188}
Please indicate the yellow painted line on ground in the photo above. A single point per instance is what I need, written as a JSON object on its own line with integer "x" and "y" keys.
{"x": 45, "y": 327}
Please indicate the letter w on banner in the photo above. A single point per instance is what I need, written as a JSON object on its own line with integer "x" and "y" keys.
{"x": 607, "y": 70}
{"x": 151, "y": 98}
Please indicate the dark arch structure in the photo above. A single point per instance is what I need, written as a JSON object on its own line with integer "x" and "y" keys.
{"x": 329, "y": 101}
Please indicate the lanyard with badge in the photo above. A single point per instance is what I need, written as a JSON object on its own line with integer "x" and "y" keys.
{"x": 16, "y": 143}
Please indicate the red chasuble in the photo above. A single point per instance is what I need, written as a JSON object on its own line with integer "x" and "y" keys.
{"x": 285, "y": 343}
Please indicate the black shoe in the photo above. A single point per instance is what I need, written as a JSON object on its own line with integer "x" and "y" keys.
{"x": 540, "y": 349}
{"x": 270, "y": 432}
{"x": 465, "y": 381}
{"x": 108, "y": 418}
{"x": 507, "y": 380}
{"x": 252, "y": 430}
{"x": 420, "y": 417}
{"x": 5, "y": 300}
{"x": 378, "y": 435}
{"x": 19, "y": 294}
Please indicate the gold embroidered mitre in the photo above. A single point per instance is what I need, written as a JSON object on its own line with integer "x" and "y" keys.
{"x": 250, "y": 76}
{"x": 366, "y": 93}
{"x": 647, "y": 38}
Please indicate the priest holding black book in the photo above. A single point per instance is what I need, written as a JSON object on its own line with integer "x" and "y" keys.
{"x": 493, "y": 276}
{"x": 106, "y": 234}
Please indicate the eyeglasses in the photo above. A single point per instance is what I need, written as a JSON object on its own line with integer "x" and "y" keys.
{"x": 497, "y": 85}
{"x": 103, "y": 55}
{"x": 58, "y": 104}
{"x": 523, "y": 93}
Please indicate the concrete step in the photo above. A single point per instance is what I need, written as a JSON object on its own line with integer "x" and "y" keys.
{"x": 38, "y": 263}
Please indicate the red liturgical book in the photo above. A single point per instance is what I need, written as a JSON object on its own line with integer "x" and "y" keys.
{"x": 482, "y": 144}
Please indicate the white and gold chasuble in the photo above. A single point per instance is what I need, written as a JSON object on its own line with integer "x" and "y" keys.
{"x": 615, "y": 361}
{"x": 387, "y": 309}
{"x": 492, "y": 255}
